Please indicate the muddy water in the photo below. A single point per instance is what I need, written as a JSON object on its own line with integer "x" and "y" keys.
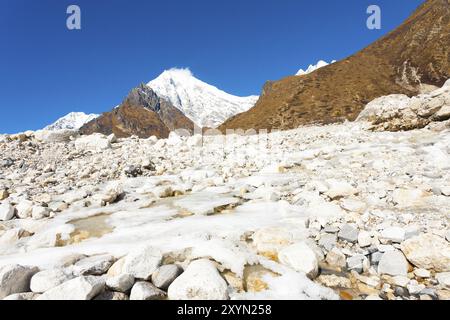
{"x": 87, "y": 228}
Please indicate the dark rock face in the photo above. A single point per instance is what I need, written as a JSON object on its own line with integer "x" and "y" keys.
{"x": 143, "y": 113}
{"x": 406, "y": 61}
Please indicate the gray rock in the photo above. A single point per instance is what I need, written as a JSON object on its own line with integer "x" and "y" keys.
{"x": 94, "y": 265}
{"x": 328, "y": 241}
{"x": 165, "y": 275}
{"x": 331, "y": 229}
{"x": 357, "y": 262}
{"x": 429, "y": 292}
{"x": 348, "y": 233}
{"x": 111, "y": 295}
{"x": 132, "y": 171}
{"x": 146, "y": 291}
{"x": 393, "y": 263}
{"x": 15, "y": 279}
{"x": 120, "y": 283}
{"x": 401, "y": 292}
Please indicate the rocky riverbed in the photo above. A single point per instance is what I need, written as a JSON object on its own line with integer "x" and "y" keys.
{"x": 320, "y": 212}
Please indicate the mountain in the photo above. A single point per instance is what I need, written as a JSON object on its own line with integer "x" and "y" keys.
{"x": 413, "y": 58}
{"x": 313, "y": 67}
{"x": 143, "y": 113}
{"x": 204, "y": 104}
{"x": 71, "y": 121}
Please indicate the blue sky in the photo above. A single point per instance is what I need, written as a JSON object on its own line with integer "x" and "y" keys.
{"x": 47, "y": 71}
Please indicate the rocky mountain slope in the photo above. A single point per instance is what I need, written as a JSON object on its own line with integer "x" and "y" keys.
{"x": 143, "y": 113}
{"x": 71, "y": 121}
{"x": 204, "y": 104}
{"x": 411, "y": 59}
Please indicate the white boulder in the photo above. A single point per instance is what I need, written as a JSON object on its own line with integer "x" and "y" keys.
{"x": 200, "y": 281}
{"x": 81, "y": 288}
{"x": 301, "y": 258}
{"x": 143, "y": 262}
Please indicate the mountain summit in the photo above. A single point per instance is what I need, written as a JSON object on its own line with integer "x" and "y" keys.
{"x": 143, "y": 113}
{"x": 314, "y": 67}
{"x": 71, "y": 121}
{"x": 411, "y": 59}
{"x": 204, "y": 104}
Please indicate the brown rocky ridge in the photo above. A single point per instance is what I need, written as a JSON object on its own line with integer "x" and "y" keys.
{"x": 143, "y": 113}
{"x": 412, "y": 59}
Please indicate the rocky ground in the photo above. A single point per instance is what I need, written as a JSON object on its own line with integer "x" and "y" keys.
{"x": 320, "y": 212}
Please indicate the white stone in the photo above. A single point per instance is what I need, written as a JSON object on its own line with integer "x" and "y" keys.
{"x": 444, "y": 279}
{"x": 15, "y": 279}
{"x": 200, "y": 281}
{"x": 353, "y": 205}
{"x": 393, "y": 263}
{"x": 55, "y": 135}
{"x": 414, "y": 287}
{"x": 121, "y": 283}
{"x": 394, "y": 234}
{"x": 146, "y": 291}
{"x": 408, "y": 197}
{"x": 48, "y": 279}
{"x": 428, "y": 251}
{"x": 93, "y": 142}
{"x": 301, "y": 258}
{"x": 81, "y": 288}
{"x": 6, "y": 212}
{"x": 422, "y": 273}
{"x": 446, "y": 191}
{"x": 142, "y": 262}
{"x": 400, "y": 281}
{"x": 24, "y": 209}
{"x": 364, "y": 239}
{"x": 339, "y": 189}
{"x": 39, "y": 212}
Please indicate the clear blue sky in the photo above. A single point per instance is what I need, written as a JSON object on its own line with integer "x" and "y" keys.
{"x": 47, "y": 71}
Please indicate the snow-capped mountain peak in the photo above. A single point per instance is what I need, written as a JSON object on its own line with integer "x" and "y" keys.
{"x": 71, "y": 121}
{"x": 314, "y": 67}
{"x": 204, "y": 104}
